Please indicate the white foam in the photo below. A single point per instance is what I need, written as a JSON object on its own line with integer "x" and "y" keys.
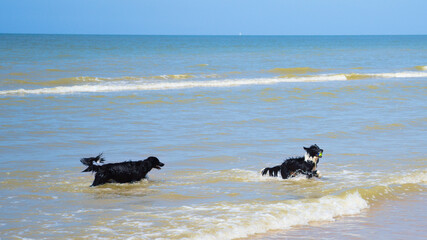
{"x": 400, "y": 75}
{"x": 164, "y": 85}
{"x": 236, "y": 221}
{"x": 227, "y": 220}
{"x": 414, "y": 178}
{"x": 242, "y": 175}
{"x": 168, "y": 85}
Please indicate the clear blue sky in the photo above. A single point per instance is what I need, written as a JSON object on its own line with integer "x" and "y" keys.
{"x": 219, "y": 17}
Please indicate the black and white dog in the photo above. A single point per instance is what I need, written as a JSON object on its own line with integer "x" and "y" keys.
{"x": 124, "y": 172}
{"x": 291, "y": 167}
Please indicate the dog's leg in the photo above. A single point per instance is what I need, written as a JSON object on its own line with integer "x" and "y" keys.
{"x": 264, "y": 171}
{"x": 276, "y": 170}
{"x": 317, "y": 174}
{"x": 272, "y": 172}
{"x": 100, "y": 178}
{"x": 285, "y": 173}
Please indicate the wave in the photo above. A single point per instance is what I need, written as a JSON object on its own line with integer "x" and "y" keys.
{"x": 400, "y": 75}
{"x": 162, "y": 85}
{"x": 241, "y": 220}
{"x": 126, "y": 85}
{"x": 421, "y": 68}
{"x": 414, "y": 177}
{"x": 71, "y": 81}
{"x": 171, "y": 76}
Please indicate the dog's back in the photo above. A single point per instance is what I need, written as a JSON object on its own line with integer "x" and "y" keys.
{"x": 296, "y": 165}
{"x": 123, "y": 172}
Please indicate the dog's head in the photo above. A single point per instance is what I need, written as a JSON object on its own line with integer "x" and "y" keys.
{"x": 155, "y": 162}
{"x": 313, "y": 153}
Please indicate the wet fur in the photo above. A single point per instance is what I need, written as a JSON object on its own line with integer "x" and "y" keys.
{"x": 124, "y": 172}
{"x": 291, "y": 167}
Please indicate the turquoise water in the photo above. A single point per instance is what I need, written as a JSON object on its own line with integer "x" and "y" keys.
{"x": 216, "y": 110}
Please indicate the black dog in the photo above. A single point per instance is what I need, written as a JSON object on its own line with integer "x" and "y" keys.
{"x": 298, "y": 165}
{"x": 124, "y": 172}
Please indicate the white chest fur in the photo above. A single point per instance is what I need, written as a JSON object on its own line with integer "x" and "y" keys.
{"x": 314, "y": 159}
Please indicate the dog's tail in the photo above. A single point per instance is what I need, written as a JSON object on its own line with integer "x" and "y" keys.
{"x": 273, "y": 171}
{"x": 89, "y": 162}
{"x": 265, "y": 170}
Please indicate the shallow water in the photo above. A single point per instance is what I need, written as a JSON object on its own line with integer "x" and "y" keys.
{"x": 390, "y": 219}
{"x": 215, "y": 110}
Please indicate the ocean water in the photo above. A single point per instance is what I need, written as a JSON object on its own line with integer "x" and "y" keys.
{"x": 216, "y": 110}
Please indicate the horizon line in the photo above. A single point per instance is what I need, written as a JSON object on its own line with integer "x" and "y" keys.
{"x": 211, "y": 35}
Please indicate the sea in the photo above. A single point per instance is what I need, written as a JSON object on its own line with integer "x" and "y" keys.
{"x": 216, "y": 110}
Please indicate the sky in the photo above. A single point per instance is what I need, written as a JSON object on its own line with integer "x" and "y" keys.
{"x": 219, "y": 17}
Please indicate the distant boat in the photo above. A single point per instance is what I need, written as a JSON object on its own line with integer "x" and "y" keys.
{"x": 240, "y": 34}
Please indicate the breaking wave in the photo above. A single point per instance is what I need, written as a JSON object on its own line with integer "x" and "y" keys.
{"x": 98, "y": 85}
{"x": 241, "y": 220}
{"x": 421, "y": 68}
